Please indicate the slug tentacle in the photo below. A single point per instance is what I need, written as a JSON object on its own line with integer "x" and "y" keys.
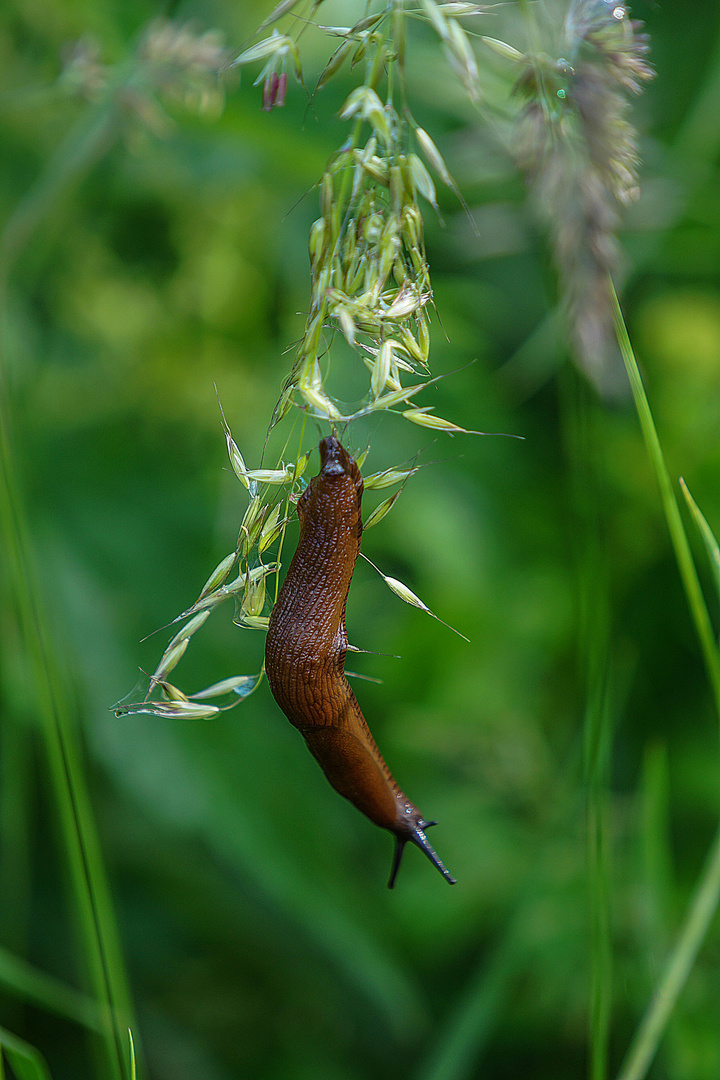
{"x": 306, "y": 648}
{"x": 417, "y": 836}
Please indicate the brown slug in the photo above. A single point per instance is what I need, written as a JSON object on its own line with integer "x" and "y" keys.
{"x": 306, "y": 648}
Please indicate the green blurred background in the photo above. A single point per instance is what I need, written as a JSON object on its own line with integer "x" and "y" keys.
{"x": 255, "y": 923}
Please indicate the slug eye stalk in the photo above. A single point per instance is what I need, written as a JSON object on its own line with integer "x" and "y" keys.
{"x": 418, "y": 837}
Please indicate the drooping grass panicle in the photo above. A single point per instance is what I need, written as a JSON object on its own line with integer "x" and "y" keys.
{"x": 579, "y": 154}
{"x": 607, "y": 51}
{"x": 369, "y": 285}
{"x": 370, "y": 279}
{"x": 263, "y": 525}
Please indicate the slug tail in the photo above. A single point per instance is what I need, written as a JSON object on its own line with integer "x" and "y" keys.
{"x": 417, "y": 836}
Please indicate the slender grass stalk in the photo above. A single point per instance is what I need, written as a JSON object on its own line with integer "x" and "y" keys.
{"x": 595, "y": 662}
{"x": 707, "y": 892}
{"x": 599, "y": 888}
{"x": 688, "y": 573}
{"x": 94, "y": 133}
{"x": 15, "y": 797}
{"x": 711, "y": 545}
{"x": 90, "y": 888}
{"x": 655, "y": 855}
{"x": 702, "y": 908}
{"x": 597, "y": 755}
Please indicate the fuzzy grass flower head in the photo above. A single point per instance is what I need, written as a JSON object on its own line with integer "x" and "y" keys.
{"x": 185, "y": 64}
{"x": 578, "y": 151}
{"x": 173, "y": 64}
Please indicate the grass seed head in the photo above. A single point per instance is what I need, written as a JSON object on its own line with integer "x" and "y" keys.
{"x": 321, "y": 403}
{"x": 180, "y": 710}
{"x": 579, "y": 154}
{"x": 271, "y": 529}
{"x": 188, "y": 630}
{"x": 241, "y": 685}
{"x": 381, "y": 510}
{"x": 170, "y": 659}
{"x": 218, "y": 575}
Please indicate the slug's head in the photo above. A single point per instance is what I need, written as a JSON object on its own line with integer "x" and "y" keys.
{"x": 334, "y": 494}
{"x": 415, "y": 833}
{"x": 335, "y": 462}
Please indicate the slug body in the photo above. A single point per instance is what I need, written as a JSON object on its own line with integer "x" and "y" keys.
{"x": 306, "y": 648}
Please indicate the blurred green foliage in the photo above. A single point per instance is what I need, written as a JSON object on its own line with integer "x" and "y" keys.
{"x": 256, "y": 928}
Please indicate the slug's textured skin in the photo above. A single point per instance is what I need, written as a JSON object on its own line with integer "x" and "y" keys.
{"x": 306, "y": 647}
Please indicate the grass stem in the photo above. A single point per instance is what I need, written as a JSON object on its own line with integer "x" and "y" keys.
{"x": 680, "y": 962}
{"x": 678, "y": 535}
{"x": 90, "y": 888}
{"x": 707, "y": 892}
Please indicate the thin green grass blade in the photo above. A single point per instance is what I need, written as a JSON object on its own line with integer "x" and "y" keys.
{"x": 27, "y": 1063}
{"x": 702, "y": 909}
{"x": 600, "y": 937}
{"x": 133, "y": 1069}
{"x": 91, "y": 893}
{"x": 678, "y": 536}
{"x": 29, "y": 984}
{"x": 16, "y": 791}
{"x": 93, "y": 134}
{"x": 595, "y": 660}
{"x": 658, "y": 877}
{"x": 707, "y": 892}
{"x": 711, "y": 544}
{"x": 597, "y": 744}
